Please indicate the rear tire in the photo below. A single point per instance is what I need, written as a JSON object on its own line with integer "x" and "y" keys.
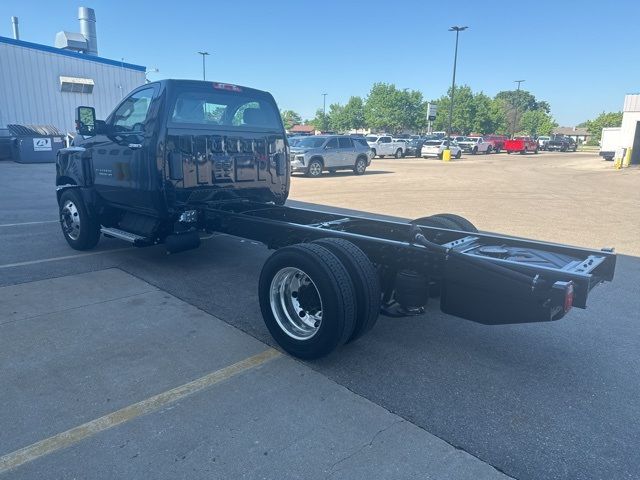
{"x": 398, "y": 153}
{"x": 360, "y": 167}
{"x": 474, "y": 151}
{"x": 462, "y": 223}
{"x": 307, "y": 300}
{"x": 365, "y": 282}
{"x": 459, "y": 154}
{"x": 80, "y": 230}
{"x": 488, "y": 150}
{"x": 373, "y": 151}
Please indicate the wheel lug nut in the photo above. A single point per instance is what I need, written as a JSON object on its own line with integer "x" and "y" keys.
{"x": 302, "y": 313}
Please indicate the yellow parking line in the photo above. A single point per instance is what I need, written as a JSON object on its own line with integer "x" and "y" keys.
{"x": 89, "y": 429}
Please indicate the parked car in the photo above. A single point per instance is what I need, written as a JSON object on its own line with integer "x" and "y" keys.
{"x": 434, "y": 148}
{"x": 414, "y": 147}
{"x": 542, "y": 141}
{"x": 312, "y": 155}
{"x": 561, "y": 143}
{"x": 521, "y": 145}
{"x": 475, "y": 145}
{"x": 293, "y": 141}
{"x": 496, "y": 141}
{"x": 382, "y": 145}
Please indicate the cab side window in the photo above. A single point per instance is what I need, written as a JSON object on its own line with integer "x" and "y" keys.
{"x": 132, "y": 114}
{"x": 385, "y": 139}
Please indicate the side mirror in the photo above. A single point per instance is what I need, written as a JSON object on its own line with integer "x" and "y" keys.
{"x": 86, "y": 120}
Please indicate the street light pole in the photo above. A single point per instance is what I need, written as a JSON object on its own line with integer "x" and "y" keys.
{"x": 456, "y": 29}
{"x": 204, "y": 73}
{"x": 515, "y": 114}
{"x": 324, "y": 112}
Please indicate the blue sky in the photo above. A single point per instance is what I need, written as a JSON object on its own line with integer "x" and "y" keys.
{"x": 581, "y": 57}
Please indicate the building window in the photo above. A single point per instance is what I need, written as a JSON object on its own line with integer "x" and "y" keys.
{"x": 76, "y": 85}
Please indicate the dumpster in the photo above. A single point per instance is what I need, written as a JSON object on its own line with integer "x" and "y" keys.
{"x": 35, "y": 143}
{"x": 5, "y": 144}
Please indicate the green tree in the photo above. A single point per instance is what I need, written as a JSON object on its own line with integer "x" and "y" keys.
{"x": 537, "y": 122}
{"x": 336, "y": 118}
{"x": 464, "y": 111}
{"x": 604, "y": 120}
{"x": 318, "y": 121}
{"x": 290, "y": 118}
{"x": 353, "y": 113}
{"x": 385, "y": 108}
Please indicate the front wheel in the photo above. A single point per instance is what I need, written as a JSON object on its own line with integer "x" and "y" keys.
{"x": 315, "y": 168}
{"x": 474, "y": 151}
{"x": 80, "y": 230}
{"x": 373, "y": 153}
{"x": 488, "y": 150}
{"x": 307, "y": 300}
{"x": 360, "y": 167}
{"x": 398, "y": 153}
{"x": 459, "y": 154}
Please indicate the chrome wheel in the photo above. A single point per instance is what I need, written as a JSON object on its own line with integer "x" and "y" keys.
{"x": 361, "y": 166}
{"x": 70, "y": 220}
{"x": 295, "y": 303}
{"x": 315, "y": 169}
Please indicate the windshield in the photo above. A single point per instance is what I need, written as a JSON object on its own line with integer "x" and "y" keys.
{"x": 311, "y": 142}
{"x": 228, "y": 109}
{"x": 372, "y": 139}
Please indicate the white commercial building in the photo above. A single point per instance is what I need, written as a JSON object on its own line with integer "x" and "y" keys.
{"x": 42, "y": 85}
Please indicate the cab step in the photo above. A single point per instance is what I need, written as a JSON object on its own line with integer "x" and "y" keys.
{"x": 133, "y": 238}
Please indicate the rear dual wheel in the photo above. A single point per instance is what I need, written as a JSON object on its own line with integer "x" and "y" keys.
{"x": 317, "y": 296}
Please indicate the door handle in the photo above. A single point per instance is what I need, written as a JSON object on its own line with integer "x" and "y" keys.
{"x": 135, "y": 146}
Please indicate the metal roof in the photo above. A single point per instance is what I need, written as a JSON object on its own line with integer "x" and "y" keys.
{"x": 81, "y": 56}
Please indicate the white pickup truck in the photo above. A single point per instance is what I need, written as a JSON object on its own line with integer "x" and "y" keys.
{"x": 382, "y": 145}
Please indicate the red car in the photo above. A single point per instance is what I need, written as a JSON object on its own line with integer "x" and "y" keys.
{"x": 496, "y": 141}
{"x": 521, "y": 145}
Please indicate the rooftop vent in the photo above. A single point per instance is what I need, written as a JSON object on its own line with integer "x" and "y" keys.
{"x": 87, "y": 40}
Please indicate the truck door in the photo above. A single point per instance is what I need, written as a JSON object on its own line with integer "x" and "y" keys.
{"x": 385, "y": 146}
{"x": 332, "y": 153}
{"x": 122, "y": 158}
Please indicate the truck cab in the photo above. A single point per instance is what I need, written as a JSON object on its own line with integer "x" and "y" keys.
{"x": 382, "y": 145}
{"x": 168, "y": 144}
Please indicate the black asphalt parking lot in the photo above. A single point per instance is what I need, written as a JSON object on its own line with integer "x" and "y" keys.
{"x": 556, "y": 400}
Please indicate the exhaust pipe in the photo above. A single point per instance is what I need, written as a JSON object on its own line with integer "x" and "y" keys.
{"x": 87, "y": 18}
{"x": 16, "y": 30}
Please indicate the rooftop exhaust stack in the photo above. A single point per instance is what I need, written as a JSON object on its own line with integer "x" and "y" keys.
{"x": 87, "y": 18}
{"x": 16, "y": 30}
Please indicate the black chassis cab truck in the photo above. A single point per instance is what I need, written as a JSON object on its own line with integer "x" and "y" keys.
{"x": 177, "y": 158}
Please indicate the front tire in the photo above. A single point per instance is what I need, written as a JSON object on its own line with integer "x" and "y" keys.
{"x": 307, "y": 300}
{"x": 459, "y": 154}
{"x": 80, "y": 230}
{"x": 398, "y": 153}
{"x": 314, "y": 169}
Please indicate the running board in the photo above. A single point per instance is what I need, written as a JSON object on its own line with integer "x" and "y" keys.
{"x": 126, "y": 236}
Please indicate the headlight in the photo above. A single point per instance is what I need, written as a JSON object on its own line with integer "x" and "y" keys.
{"x": 300, "y": 158}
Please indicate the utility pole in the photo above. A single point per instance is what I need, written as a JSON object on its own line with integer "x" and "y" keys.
{"x": 204, "y": 73}
{"x": 515, "y": 114}
{"x": 456, "y": 29}
{"x": 324, "y": 112}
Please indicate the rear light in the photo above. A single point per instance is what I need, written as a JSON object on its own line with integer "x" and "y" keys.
{"x": 227, "y": 86}
{"x": 568, "y": 297}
